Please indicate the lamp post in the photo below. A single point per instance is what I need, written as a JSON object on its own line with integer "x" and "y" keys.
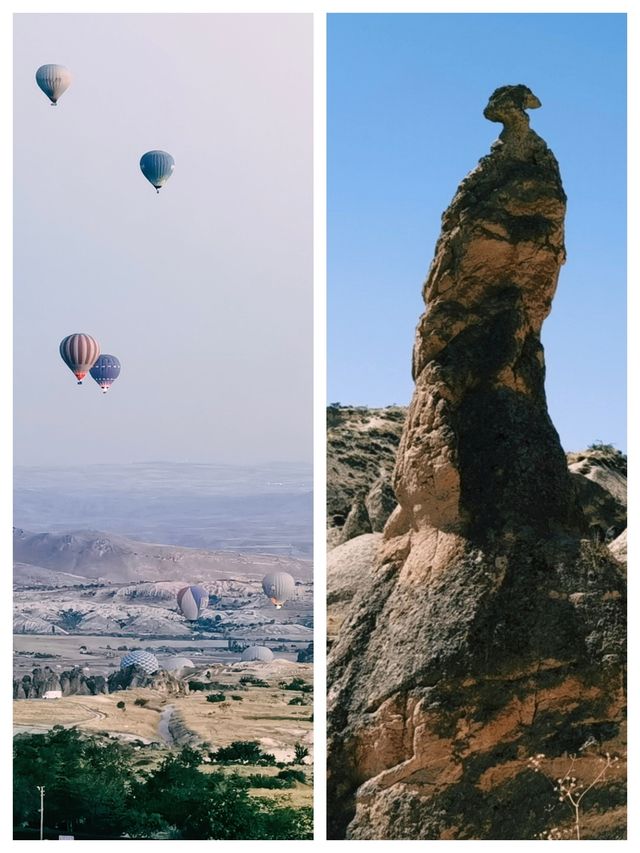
{"x": 41, "y": 789}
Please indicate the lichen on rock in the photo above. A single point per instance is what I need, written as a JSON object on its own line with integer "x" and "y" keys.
{"x": 491, "y": 628}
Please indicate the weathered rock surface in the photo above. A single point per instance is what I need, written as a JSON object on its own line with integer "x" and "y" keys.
{"x": 135, "y": 676}
{"x": 349, "y": 571}
{"x": 70, "y": 682}
{"x": 619, "y": 547}
{"x": 492, "y": 628}
{"x": 361, "y": 453}
{"x": 600, "y": 477}
{"x": 74, "y": 682}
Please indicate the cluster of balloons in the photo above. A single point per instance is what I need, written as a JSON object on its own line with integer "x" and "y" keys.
{"x": 80, "y": 352}
{"x": 156, "y": 166}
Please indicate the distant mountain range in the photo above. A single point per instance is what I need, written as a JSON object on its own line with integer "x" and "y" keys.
{"x": 89, "y": 555}
{"x": 258, "y": 508}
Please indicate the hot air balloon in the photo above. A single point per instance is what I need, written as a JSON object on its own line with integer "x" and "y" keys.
{"x": 177, "y": 662}
{"x": 157, "y": 167}
{"x": 79, "y": 352}
{"x": 192, "y": 600}
{"x": 54, "y": 80}
{"x": 105, "y": 371}
{"x": 279, "y": 587}
{"x": 145, "y": 660}
{"x": 261, "y": 653}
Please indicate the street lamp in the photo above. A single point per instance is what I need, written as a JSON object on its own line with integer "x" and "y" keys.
{"x": 41, "y": 789}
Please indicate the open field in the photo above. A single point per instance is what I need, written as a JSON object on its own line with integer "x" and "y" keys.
{"x": 263, "y": 713}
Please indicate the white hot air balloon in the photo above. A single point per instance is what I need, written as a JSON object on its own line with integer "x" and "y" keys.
{"x": 54, "y": 80}
{"x": 260, "y": 653}
{"x": 279, "y": 587}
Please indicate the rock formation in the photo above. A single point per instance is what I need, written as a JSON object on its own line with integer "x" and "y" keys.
{"x": 74, "y": 682}
{"x": 349, "y": 571}
{"x": 135, "y": 676}
{"x": 492, "y": 628}
{"x": 69, "y": 683}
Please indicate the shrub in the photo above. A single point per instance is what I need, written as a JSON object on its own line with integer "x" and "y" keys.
{"x": 216, "y": 697}
{"x": 121, "y": 705}
{"x": 293, "y": 775}
{"x": 141, "y": 702}
{"x": 251, "y": 679}
{"x": 237, "y": 698}
{"x": 296, "y": 684}
{"x": 259, "y": 780}
{"x": 243, "y": 752}
{"x": 297, "y": 700}
{"x": 301, "y": 753}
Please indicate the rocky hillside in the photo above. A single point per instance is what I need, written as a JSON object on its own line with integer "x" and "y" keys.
{"x": 95, "y": 555}
{"x": 361, "y": 453}
{"x": 485, "y": 657}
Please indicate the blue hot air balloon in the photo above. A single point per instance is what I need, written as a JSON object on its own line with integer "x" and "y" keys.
{"x": 192, "y": 600}
{"x": 105, "y": 371}
{"x": 157, "y": 167}
{"x": 54, "y": 80}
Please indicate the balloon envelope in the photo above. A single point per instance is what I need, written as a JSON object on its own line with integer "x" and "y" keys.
{"x": 53, "y": 80}
{"x": 257, "y": 653}
{"x": 279, "y": 587}
{"x": 79, "y": 352}
{"x": 145, "y": 660}
{"x": 105, "y": 371}
{"x": 177, "y": 662}
{"x": 192, "y": 600}
{"x": 157, "y": 167}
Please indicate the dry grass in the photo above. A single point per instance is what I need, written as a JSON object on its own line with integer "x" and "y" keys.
{"x": 95, "y": 714}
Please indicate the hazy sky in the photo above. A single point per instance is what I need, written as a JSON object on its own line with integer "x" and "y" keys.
{"x": 205, "y": 291}
{"x": 405, "y": 125}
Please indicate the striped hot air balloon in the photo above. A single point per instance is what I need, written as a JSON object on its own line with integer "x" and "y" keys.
{"x": 157, "y": 167}
{"x": 261, "y": 653}
{"x": 145, "y": 660}
{"x": 192, "y": 600}
{"x": 79, "y": 352}
{"x": 54, "y": 80}
{"x": 105, "y": 371}
{"x": 279, "y": 587}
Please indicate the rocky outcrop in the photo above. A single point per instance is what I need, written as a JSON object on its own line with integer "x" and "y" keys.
{"x": 361, "y": 453}
{"x": 135, "y": 676}
{"x": 492, "y": 628}
{"x": 68, "y": 683}
{"x": 600, "y": 478}
{"x": 74, "y": 682}
{"x": 349, "y": 572}
{"x": 619, "y": 547}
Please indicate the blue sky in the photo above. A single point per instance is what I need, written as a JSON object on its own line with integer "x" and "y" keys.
{"x": 405, "y": 99}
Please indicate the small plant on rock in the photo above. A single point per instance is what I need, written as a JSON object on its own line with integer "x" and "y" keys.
{"x": 571, "y": 790}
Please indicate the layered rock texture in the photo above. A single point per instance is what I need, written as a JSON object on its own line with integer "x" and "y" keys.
{"x": 491, "y": 628}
